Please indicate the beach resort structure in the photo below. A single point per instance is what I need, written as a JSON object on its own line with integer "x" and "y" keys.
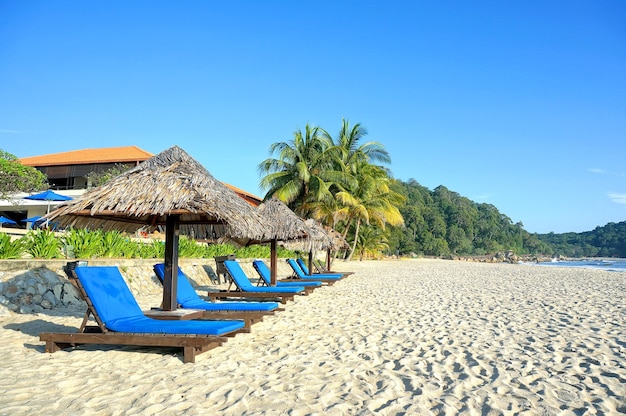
{"x": 68, "y": 175}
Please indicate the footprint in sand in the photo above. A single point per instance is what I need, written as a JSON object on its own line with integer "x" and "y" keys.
{"x": 566, "y": 396}
{"x": 432, "y": 388}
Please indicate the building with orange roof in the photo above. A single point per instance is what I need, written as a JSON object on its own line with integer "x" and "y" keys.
{"x": 67, "y": 173}
{"x": 69, "y": 170}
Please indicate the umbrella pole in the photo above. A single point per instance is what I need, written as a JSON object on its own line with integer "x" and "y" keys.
{"x": 170, "y": 277}
{"x": 273, "y": 262}
{"x": 310, "y": 262}
{"x": 328, "y": 260}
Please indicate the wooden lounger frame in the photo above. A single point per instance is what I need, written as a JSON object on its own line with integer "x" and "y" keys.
{"x": 274, "y": 296}
{"x": 321, "y": 269}
{"x": 248, "y": 317}
{"x": 283, "y": 297}
{"x": 99, "y": 334}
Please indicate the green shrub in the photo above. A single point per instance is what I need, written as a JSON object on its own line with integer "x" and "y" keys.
{"x": 189, "y": 248}
{"x": 215, "y": 250}
{"x": 113, "y": 244}
{"x": 43, "y": 244}
{"x": 11, "y": 249}
{"x": 153, "y": 250}
{"x": 86, "y": 244}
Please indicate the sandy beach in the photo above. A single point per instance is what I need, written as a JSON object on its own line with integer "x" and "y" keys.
{"x": 398, "y": 337}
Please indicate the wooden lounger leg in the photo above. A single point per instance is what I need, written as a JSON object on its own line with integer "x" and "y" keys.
{"x": 53, "y": 347}
{"x": 189, "y": 354}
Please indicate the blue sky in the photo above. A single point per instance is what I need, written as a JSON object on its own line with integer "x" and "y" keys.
{"x": 519, "y": 104}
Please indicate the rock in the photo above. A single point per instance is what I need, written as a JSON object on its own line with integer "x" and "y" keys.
{"x": 49, "y": 296}
{"x": 58, "y": 291}
{"x": 25, "y": 309}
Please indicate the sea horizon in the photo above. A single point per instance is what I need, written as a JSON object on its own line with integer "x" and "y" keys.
{"x": 600, "y": 263}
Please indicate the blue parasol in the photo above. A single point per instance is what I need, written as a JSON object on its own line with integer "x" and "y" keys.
{"x": 48, "y": 196}
{"x": 32, "y": 219}
{"x": 5, "y": 220}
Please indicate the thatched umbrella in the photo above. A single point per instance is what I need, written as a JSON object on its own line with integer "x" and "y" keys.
{"x": 318, "y": 239}
{"x": 282, "y": 225}
{"x": 170, "y": 189}
{"x": 338, "y": 242}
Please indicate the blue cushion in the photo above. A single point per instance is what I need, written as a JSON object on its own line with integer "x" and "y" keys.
{"x": 242, "y": 281}
{"x": 265, "y": 274}
{"x": 298, "y": 271}
{"x": 188, "y": 298}
{"x": 305, "y": 269}
{"x": 116, "y": 306}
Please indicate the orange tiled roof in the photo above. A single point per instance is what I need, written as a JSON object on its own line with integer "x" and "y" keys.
{"x": 112, "y": 155}
{"x": 247, "y": 196}
{"x": 88, "y": 156}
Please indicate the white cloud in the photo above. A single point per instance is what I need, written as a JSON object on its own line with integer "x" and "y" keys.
{"x": 8, "y": 131}
{"x": 596, "y": 170}
{"x": 618, "y": 198}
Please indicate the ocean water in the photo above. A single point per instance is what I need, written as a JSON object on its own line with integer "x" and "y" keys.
{"x": 616, "y": 265}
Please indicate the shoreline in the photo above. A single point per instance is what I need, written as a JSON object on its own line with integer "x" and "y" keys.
{"x": 416, "y": 336}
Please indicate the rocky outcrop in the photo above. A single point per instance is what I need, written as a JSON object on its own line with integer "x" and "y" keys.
{"x": 502, "y": 257}
{"x": 35, "y": 290}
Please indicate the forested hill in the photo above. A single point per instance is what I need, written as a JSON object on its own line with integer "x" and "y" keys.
{"x": 606, "y": 241}
{"x": 442, "y": 222}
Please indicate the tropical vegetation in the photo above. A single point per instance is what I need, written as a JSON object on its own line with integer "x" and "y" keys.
{"x": 606, "y": 241}
{"x": 344, "y": 183}
{"x": 15, "y": 177}
{"x": 334, "y": 180}
{"x": 85, "y": 244}
{"x": 442, "y": 222}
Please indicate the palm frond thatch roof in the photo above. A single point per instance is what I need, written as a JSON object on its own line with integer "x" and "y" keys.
{"x": 318, "y": 239}
{"x": 281, "y": 222}
{"x": 169, "y": 183}
{"x": 338, "y": 242}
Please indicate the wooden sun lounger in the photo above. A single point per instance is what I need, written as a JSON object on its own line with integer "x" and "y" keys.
{"x": 191, "y": 344}
{"x": 245, "y": 289}
{"x": 321, "y": 269}
{"x": 189, "y": 296}
{"x": 265, "y": 277}
{"x": 298, "y": 275}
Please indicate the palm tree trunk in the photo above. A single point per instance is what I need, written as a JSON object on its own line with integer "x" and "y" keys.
{"x": 356, "y": 236}
{"x": 345, "y": 231}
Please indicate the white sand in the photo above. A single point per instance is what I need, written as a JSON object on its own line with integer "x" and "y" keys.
{"x": 398, "y": 337}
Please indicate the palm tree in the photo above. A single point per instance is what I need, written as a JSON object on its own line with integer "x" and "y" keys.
{"x": 372, "y": 201}
{"x": 372, "y": 242}
{"x": 349, "y": 152}
{"x": 301, "y": 172}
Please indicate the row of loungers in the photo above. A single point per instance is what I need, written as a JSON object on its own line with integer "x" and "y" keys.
{"x": 196, "y": 327}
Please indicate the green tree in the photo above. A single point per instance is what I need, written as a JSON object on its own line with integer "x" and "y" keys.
{"x": 95, "y": 179}
{"x": 15, "y": 177}
{"x": 372, "y": 242}
{"x": 300, "y": 173}
{"x": 351, "y": 153}
{"x": 371, "y": 201}
{"x": 363, "y": 193}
